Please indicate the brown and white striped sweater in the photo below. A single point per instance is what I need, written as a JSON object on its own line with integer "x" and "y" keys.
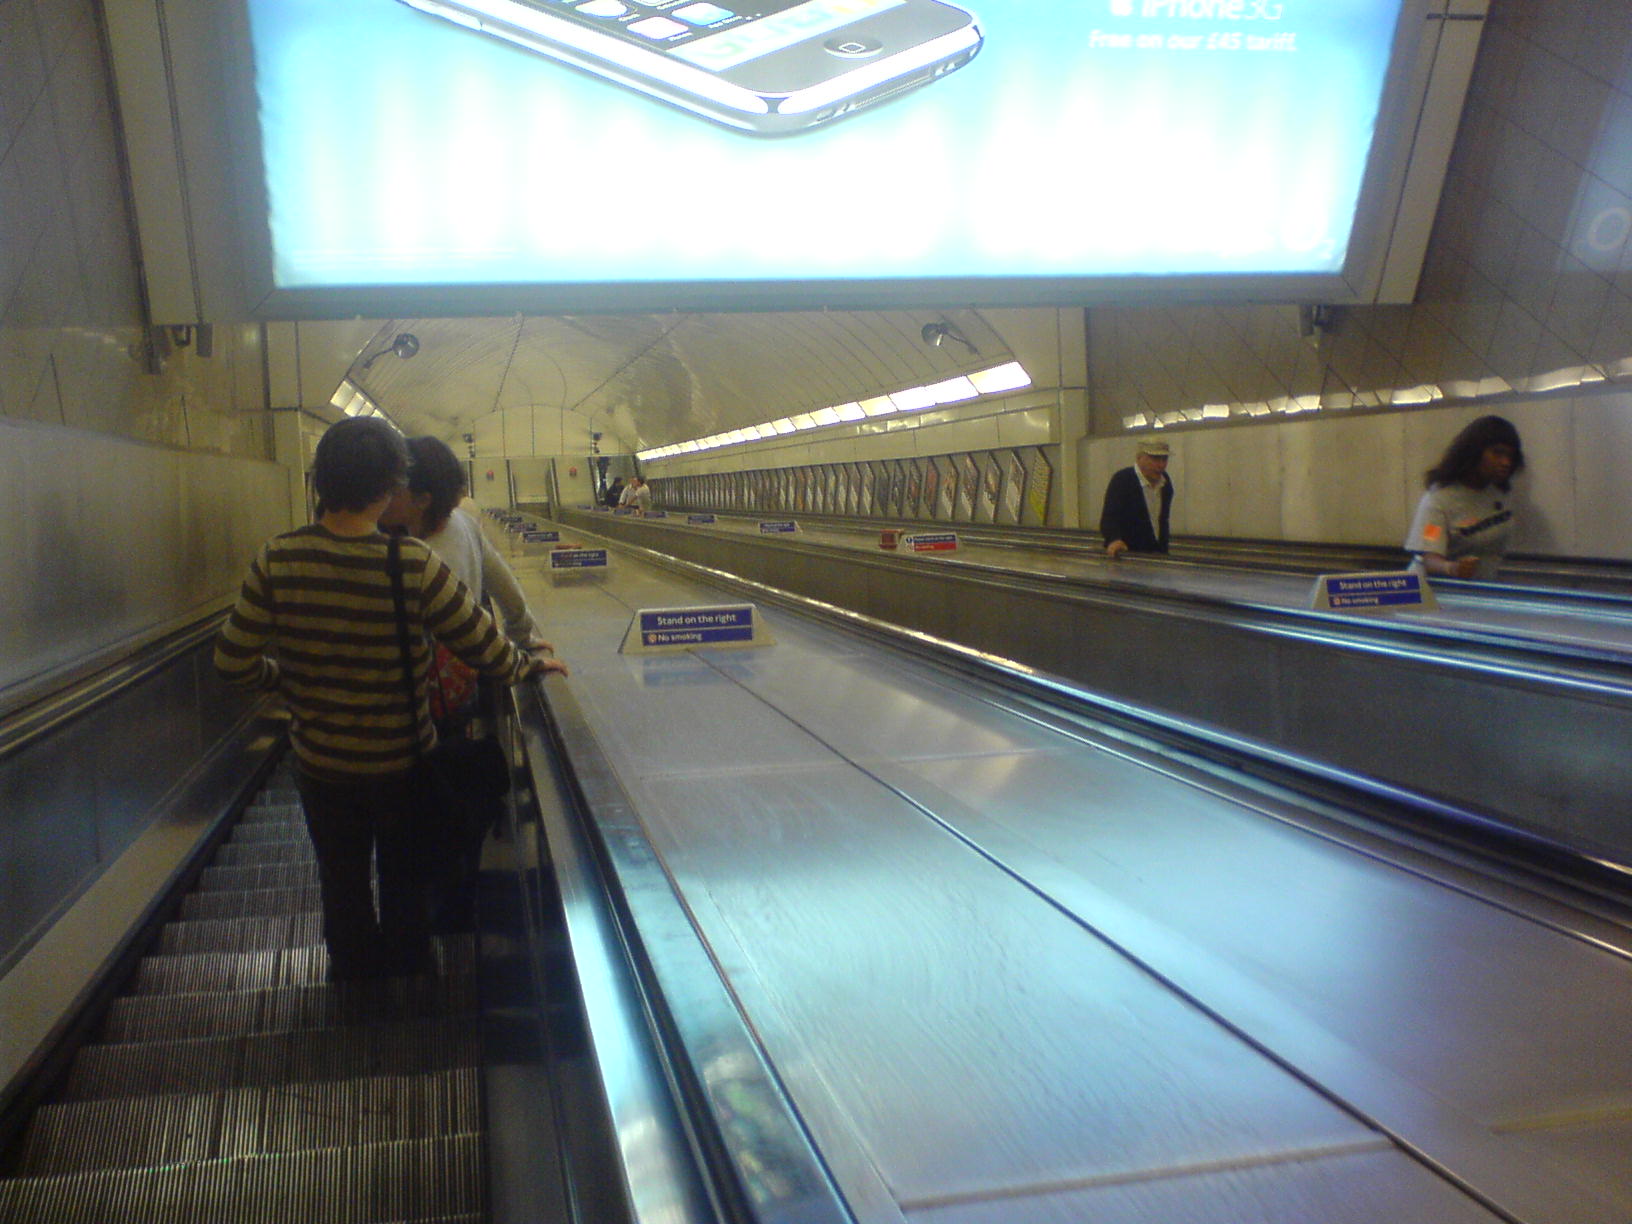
{"x": 315, "y": 621}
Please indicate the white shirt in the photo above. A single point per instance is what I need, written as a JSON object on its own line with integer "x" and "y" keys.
{"x": 476, "y": 563}
{"x": 1457, "y": 521}
{"x": 1153, "y": 501}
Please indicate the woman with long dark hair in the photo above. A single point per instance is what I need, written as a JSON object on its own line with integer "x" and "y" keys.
{"x": 1465, "y": 518}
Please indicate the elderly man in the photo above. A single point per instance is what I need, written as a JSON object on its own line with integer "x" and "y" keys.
{"x": 1137, "y": 502}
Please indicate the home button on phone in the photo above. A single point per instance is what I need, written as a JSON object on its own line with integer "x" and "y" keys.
{"x": 851, "y": 47}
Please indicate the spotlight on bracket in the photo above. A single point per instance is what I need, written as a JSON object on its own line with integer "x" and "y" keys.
{"x": 937, "y": 334}
{"x": 405, "y": 346}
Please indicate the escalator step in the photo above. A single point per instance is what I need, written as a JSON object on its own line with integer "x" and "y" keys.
{"x": 251, "y": 903}
{"x": 209, "y": 972}
{"x": 267, "y": 830}
{"x": 288, "y": 1009}
{"x": 139, "y": 1131}
{"x": 423, "y": 1181}
{"x": 237, "y": 879}
{"x": 264, "y": 811}
{"x": 210, "y": 1064}
{"x": 240, "y": 934}
{"x": 257, "y": 853}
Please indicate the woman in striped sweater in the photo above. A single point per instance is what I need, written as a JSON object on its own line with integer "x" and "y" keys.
{"x": 315, "y": 620}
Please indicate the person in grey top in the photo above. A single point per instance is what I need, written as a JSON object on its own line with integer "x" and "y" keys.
{"x": 1464, "y": 520}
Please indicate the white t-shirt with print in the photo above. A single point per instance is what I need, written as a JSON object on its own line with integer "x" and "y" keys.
{"x": 1457, "y": 521}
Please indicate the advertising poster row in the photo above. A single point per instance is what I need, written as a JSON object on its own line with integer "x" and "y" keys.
{"x": 1011, "y": 486}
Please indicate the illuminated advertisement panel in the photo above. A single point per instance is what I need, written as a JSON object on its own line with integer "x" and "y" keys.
{"x": 991, "y": 483}
{"x": 946, "y": 507}
{"x": 1040, "y": 475}
{"x": 1014, "y": 487}
{"x": 932, "y": 483}
{"x": 673, "y": 153}
{"x": 968, "y": 486}
{"x": 881, "y": 487}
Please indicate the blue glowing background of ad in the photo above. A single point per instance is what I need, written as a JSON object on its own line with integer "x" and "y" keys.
{"x": 403, "y": 149}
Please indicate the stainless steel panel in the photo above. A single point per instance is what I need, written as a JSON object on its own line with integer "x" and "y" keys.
{"x": 968, "y": 1037}
{"x": 1416, "y": 990}
{"x": 118, "y": 538}
{"x": 867, "y": 710}
{"x": 1397, "y": 716}
{"x": 1351, "y": 1188}
{"x": 48, "y": 837}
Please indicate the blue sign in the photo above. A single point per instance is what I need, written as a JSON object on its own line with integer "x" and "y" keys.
{"x": 577, "y": 558}
{"x": 697, "y": 626}
{"x": 784, "y": 527}
{"x": 1374, "y": 590}
{"x": 540, "y": 537}
{"x": 657, "y": 514}
{"x": 701, "y": 518}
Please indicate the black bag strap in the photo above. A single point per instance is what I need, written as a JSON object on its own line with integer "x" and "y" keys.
{"x": 393, "y": 567}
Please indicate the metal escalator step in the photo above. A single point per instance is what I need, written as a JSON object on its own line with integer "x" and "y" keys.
{"x": 131, "y": 1132}
{"x": 241, "y": 879}
{"x": 209, "y": 1064}
{"x": 260, "y": 853}
{"x": 205, "y": 972}
{"x": 305, "y": 898}
{"x": 261, "y": 810}
{"x": 240, "y": 934}
{"x": 424, "y": 1181}
{"x": 136, "y": 1018}
{"x": 267, "y": 830}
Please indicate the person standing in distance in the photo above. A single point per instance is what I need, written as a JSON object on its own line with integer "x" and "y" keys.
{"x": 637, "y": 496}
{"x": 1137, "y": 502}
{"x": 1464, "y": 520}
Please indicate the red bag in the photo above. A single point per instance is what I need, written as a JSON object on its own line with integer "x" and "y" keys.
{"x": 453, "y": 686}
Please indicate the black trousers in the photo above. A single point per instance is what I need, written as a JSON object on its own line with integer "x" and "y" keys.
{"x": 360, "y": 829}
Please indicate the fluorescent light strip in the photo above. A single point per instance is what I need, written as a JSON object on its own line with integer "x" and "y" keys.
{"x": 959, "y": 389}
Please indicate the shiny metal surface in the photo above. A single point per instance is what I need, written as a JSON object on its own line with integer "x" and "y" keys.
{"x": 1010, "y": 978}
{"x": 121, "y": 543}
{"x": 1505, "y": 729}
{"x": 75, "y": 795}
{"x": 622, "y": 952}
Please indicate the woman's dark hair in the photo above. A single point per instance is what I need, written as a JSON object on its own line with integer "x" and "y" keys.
{"x": 436, "y": 471}
{"x": 1460, "y": 462}
{"x": 358, "y": 461}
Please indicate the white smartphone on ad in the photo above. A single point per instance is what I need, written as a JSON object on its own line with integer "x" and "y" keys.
{"x": 769, "y": 67}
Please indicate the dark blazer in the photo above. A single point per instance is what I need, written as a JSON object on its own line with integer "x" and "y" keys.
{"x": 1125, "y": 517}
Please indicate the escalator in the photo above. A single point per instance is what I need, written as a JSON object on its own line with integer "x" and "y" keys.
{"x": 230, "y": 1081}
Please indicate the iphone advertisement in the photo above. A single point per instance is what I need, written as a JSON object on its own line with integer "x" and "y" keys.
{"x": 733, "y": 143}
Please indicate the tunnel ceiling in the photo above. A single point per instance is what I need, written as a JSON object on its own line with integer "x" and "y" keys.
{"x": 648, "y": 380}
